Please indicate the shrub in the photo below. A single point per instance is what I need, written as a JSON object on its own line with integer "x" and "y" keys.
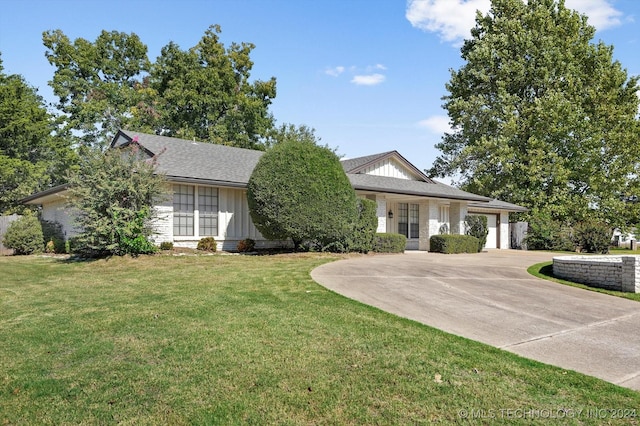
{"x": 299, "y": 190}
{"x": 476, "y": 226}
{"x": 53, "y": 237}
{"x": 450, "y": 244}
{"x": 207, "y": 244}
{"x": 24, "y": 236}
{"x": 545, "y": 233}
{"x": 389, "y": 243}
{"x": 365, "y": 227}
{"x": 592, "y": 237}
{"x": 113, "y": 194}
{"x": 166, "y": 245}
{"x": 246, "y": 245}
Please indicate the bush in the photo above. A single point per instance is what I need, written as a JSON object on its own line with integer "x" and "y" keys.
{"x": 365, "y": 227}
{"x": 53, "y": 237}
{"x": 299, "y": 190}
{"x": 476, "y": 226}
{"x": 545, "y": 233}
{"x": 207, "y": 244}
{"x": 24, "y": 236}
{"x": 246, "y": 245}
{"x": 113, "y": 194}
{"x": 166, "y": 245}
{"x": 389, "y": 243}
{"x": 592, "y": 237}
{"x": 450, "y": 244}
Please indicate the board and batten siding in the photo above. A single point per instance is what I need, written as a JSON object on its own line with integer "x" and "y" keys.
{"x": 389, "y": 168}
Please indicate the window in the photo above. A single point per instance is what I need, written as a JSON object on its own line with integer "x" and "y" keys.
{"x": 208, "y": 211}
{"x": 183, "y": 209}
{"x": 195, "y": 205}
{"x": 414, "y": 221}
{"x": 444, "y": 214}
{"x": 403, "y": 219}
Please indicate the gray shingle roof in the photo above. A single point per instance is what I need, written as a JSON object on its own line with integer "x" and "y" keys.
{"x": 365, "y": 182}
{"x": 351, "y": 164}
{"x": 184, "y": 160}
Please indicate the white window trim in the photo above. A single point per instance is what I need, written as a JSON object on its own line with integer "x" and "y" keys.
{"x": 196, "y": 216}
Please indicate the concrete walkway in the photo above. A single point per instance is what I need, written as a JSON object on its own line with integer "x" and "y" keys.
{"x": 490, "y": 297}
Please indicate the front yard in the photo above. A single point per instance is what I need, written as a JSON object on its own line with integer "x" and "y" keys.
{"x": 252, "y": 339}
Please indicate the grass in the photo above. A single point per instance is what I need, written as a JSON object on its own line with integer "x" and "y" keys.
{"x": 251, "y": 340}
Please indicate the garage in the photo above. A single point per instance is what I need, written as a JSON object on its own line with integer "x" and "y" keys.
{"x": 492, "y": 224}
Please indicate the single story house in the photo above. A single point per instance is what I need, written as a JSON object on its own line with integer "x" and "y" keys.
{"x": 209, "y": 184}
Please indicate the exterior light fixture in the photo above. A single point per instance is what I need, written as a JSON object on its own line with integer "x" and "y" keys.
{"x": 390, "y": 214}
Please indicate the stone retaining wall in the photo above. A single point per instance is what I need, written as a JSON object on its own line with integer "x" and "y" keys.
{"x": 620, "y": 273}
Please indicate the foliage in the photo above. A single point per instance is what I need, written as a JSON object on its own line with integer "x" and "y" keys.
{"x": 593, "y": 237}
{"x": 389, "y": 243}
{"x": 207, "y": 244}
{"x": 24, "y": 235}
{"x": 202, "y": 93}
{"x": 451, "y": 243}
{"x": 246, "y": 245}
{"x": 542, "y": 117}
{"x": 133, "y": 234}
{"x": 205, "y": 93}
{"x": 53, "y": 236}
{"x": 476, "y": 226}
{"x": 98, "y": 84}
{"x": 545, "y": 233}
{"x": 365, "y": 228}
{"x": 31, "y": 157}
{"x": 113, "y": 194}
{"x": 299, "y": 190}
{"x": 166, "y": 245}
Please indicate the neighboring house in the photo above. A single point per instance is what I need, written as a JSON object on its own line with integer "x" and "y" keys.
{"x": 209, "y": 181}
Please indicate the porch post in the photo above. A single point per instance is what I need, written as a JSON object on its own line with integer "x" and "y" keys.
{"x": 381, "y": 212}
{"x": 457, "y": 213}
{"x": 423, "y": 224}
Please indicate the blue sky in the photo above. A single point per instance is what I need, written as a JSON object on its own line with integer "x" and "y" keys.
{"x": 368, "y": 75}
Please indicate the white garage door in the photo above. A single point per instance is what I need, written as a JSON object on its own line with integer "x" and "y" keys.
{"x": 492, "y": 224}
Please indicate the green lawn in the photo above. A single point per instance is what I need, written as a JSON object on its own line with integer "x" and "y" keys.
{"x": 252, "y": 340}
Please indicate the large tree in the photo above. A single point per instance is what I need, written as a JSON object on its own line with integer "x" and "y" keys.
{"x": 204, "y": 92}
{"x": 541, "y": 116}
{"x": 32, "y": 157}
{"x": 98, "y": 84}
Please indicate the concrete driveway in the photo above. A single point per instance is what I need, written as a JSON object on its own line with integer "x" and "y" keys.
{"x": 490, "y": 297}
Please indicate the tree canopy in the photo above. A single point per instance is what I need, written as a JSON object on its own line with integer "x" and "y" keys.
{"x": 541, "y": 116}
{"x": 32, "y": 157}
{"x": 204, "y": 92}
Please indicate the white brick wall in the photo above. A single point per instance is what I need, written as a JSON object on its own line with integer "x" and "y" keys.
{"x": 620, "y": 273}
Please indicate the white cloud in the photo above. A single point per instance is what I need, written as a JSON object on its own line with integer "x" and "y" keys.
{"x": 368, "y": 80}
{"x": 452, "y": 20}
{"x": 438, "y": 124}
{"x": 601, "y": 13}
{"x": 335, "y": 71}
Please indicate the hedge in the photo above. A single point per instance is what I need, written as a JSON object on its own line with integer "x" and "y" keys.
{"x": 454, "y": 244}
{"x": 389, "y": 243}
